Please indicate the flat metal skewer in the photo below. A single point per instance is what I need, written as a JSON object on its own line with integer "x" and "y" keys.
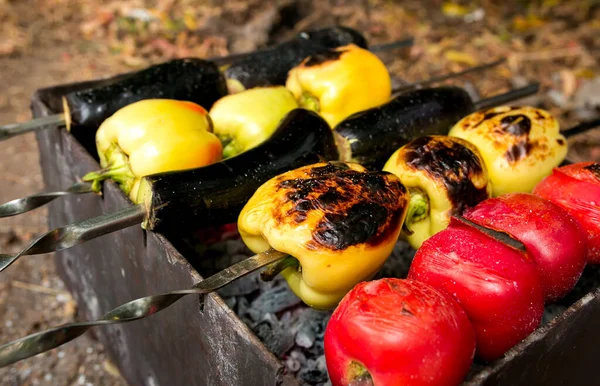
{"x": 79, "y": 232}
{"x": 450, "y": 75}
{"x": 14, "y": 129}
{"x": 397, "y": 44}
{"x": 136, "y": 309}
{"x": 26, "y": 204}
{"x": 581, "y": 128}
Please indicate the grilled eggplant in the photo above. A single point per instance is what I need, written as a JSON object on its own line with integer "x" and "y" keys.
{"x": 215, "y": 194}
{"x": 371, "y": 136}
{"x": 192, "y": 80}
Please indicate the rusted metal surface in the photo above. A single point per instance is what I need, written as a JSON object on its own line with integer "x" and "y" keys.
{"x": 181, "y": 346}
{"x": 189, "y": 346}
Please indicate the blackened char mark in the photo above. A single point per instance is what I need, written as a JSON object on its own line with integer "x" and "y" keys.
{"x": 491, "y": 113}
{"x": 322, "y": 57}
{"x": 518, "y": 151}
{"x": 595, "y": 169}
{"x": 451, "y": 163}
{"x": 357, "y": 225}
{"x": 517, "y": 125}
{"x": 356, "y": 207}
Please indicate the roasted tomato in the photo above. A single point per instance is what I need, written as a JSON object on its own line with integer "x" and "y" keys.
{"x": 398, "y": 332}
{"x": 491, "y": 275}
{"x": 555, "y": 238}
{"x": 576, "y": 187}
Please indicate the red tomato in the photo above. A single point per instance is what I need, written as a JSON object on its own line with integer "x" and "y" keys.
{"x": 398, "y": 332}
{"x": 576, "y": 187}
{"x": 556, "y": 240}
{"x": 497, "y": 285}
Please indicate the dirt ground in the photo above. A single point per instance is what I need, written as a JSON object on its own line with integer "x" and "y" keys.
{"x": 47, "y": 42}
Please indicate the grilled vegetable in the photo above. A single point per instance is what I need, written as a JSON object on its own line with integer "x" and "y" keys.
{"x": 193, "y": 80}
{"x": 491, "y": 275}
{"x": 339, "y": 221}
{"x": 214, "y": 195}
{"x": 153, "y": 136}
{"x": 576, "y": 188}
{"x": 271, "y": 66}
{"x": 243, "y": 120}
{"x": 555, "y": 239}
{"x": 371, "y": 136}
{"x": 520, "y": 145}
{"x": 398, "y": 332}
{"x": 340, "y": 82}
{"x": 444, "y": 176}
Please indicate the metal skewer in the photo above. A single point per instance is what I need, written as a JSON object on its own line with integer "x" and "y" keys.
{"x": 581, "y": 128}
{"x": 26, "y": 204}
{"x": 136, "y": 309}
{"x": 14, "y": 129}
{"x": 402, "y": 43}
{"x": 450, "y": 75}
{"x": 78, "y": 233}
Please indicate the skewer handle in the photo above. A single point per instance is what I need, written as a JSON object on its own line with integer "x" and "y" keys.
{"x": 14, "y": 129}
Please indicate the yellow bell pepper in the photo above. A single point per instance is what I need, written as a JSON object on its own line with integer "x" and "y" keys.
{"x": 244, "y": 120}
{"x": 520, "y": 145}
{"x": 444, "y": 175}
{"x": 153, "y": 136}
{"x": 340, "y": 82}
{"x": 338, "y": 220}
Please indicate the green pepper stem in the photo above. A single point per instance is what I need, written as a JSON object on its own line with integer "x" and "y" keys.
{"x": 121, "y": 174}
{"x": 275, "y": 268}
{"x": 418, "y": 209}
{"x": 309, "y": 102}
{"x": 230, "y": 149}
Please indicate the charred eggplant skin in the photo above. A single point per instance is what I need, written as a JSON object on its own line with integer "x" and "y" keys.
{"x": 270, "y": 67}
{"x": 374, "y": 135}
{"x": 192, "y": 80}
{"x": 215, "y": 194}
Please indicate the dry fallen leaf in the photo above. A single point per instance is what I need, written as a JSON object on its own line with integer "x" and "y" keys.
{"x": 460, "y": 57}
{"x": 454, "y": 10}
{"x": 569, "y": 82}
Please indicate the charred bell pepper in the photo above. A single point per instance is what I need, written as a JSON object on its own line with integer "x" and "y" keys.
{"x": 445, "y": 176}
{"x": 337, "y": 221}
{"x": 153, "y": 136}
{"x": 271, "y": 66}
{"x": 340, "y": 82}
{"x": 243, "y": 120}
{"x": 520, "y": 145}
